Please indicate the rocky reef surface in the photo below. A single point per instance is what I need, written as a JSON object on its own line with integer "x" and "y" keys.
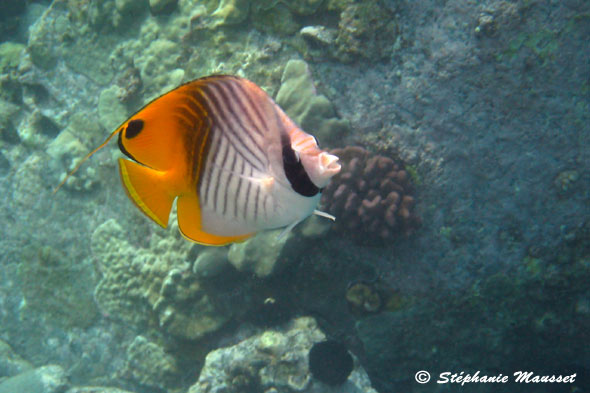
{"x": 273, "y": 361}
{"x": 468, "y": 118}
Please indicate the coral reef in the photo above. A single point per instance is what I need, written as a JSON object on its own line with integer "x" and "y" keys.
{"x": 210, "y": 262}
{"x": 270, "y": 251}
{"x": 149, "y": 365}
{"x": 372, "y": 193}
{"x": 259, "y": 255}
{"x": 513, "y": 318}
{"x": 565, "y": 181}
{"x": 56, "y": 285}
{"x": 111, "y": 110}
{"x": 10, "y": 363}
{"x": 368, "y": 297}
{"x": 272, "y": 361}
{"x": 352, "y": 31}
{"x": 230, "y": 12}
{"x": 310, "y": 110}
{"x": 363, "y": 31}
{"x": 36, "y": 129}
{"x": 130, "y": 83}
{"x": 10, "y": 53}
{"x": 488, "y": 101}
{"x": 154, "y": 287}
{"x": 46, "y": 379}
{"x": 162, "y": 7}
{"x": 67, "y": 149}
{"x": 95, "y": 389}
{"x": 4, "y": 165}
{"x": 19, "y": 376}
{"x": 8, "y": 112}
{"x": 363, "y": 298}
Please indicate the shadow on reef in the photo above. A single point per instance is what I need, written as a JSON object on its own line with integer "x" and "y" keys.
{"x": 533, "y": 318}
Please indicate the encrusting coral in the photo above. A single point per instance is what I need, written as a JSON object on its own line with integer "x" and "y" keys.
{"x": 149, "y": 365}
{"x": 275, "y": 360}
{"x": 312, "y": 111}
{"x": 154, "y": 287}
{"x": 372, "y": 194}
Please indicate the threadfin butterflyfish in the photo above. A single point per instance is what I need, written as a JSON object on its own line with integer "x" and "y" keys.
{"x": 235, "y": 162}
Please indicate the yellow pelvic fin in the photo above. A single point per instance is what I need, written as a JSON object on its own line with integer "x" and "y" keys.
{"x": 189, "y": 223}
{"x": 148, "y": 189}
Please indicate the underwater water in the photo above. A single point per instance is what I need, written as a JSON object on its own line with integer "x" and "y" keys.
{"x": 460, "y": 255}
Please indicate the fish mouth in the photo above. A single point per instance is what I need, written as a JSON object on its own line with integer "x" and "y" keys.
{"x": 329, "y": 165}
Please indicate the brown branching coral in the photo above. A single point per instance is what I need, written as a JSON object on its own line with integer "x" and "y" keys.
{"x": 371, "y": 197}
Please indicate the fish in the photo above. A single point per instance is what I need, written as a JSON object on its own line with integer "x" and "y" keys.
{"x": 233, "y": 160}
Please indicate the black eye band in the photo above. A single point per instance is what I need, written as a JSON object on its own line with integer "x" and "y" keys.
{"x": 122, "y": 148}
{"x": 295, "y": 172}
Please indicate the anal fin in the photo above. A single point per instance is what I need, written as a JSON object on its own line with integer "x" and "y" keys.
{"x": 146, "y": 187}
{"x": 189, "y": 223}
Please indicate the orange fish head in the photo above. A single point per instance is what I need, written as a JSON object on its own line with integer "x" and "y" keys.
{"x": 319, "y": 165}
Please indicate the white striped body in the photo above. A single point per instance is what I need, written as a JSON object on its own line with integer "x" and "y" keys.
{"x": 243, "y": 186}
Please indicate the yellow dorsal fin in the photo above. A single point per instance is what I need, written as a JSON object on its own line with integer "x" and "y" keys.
{"x": 148, "y": 189}
{"x": 189, "y": 223}
{"x": 118, "y": 130}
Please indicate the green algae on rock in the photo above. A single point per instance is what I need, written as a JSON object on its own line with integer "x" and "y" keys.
{"x": 210, "y": 262}
{"x": 8, "y": 132}
{"x": 162, "y": 7}
{"x": 275, "y": 20}
{"x": 271, "y": 361}
{"x": 131, "y": 8}
{"x": 351, "y": 31}
{"x": 304, "y": 7}
{"x": 149, "y": 365}
{"x": 10, "y": 53}
{"x": 230, "y": 12}
{"x": 10, "y": 363}
{"x": 71, "y": 145}
{"x": 259, "y": 254}
{"x": 90, "y": 57}
{"x": 154, "y": 287}
{"x": 95, "y": 389}
{"x": 68, "y": 150}
{"x": 270, "y": 251}
{"x": 46, "y": 379}
{"x": 57, "y": 287}
{"x": 37, "y": 129}
{"x": 49, "y": 35}
{"x": 366, "y": 31}
{"x": 111, "y": 111}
